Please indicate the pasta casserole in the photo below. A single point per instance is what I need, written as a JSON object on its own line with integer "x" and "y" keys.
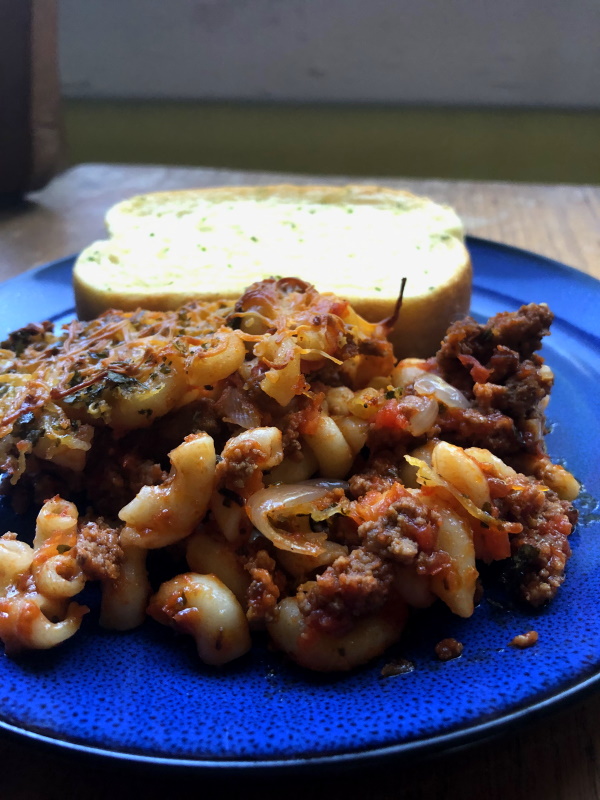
{"x": 280, "y": 467}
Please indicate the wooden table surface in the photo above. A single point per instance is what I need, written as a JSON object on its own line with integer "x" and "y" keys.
{"x": 555, "y": 757}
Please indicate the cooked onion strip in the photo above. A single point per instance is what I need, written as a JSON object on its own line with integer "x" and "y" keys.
{"x": 430, "y": 385}
{"x": 286, "y": 501}
{"x": 306, "y": 351}
{"x": 426, "y": 476}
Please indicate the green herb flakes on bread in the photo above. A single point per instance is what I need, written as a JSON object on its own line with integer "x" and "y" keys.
{"x": 356, "y": 241}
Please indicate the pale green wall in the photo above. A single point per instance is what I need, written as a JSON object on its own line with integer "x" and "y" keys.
{"x": 522, "y": 145}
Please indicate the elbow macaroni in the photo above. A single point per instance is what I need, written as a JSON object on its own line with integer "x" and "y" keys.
{"x": 202, "y": 606}
{"x": 37, "y": 582}
{"x": 161, "y": 515}
{"x": 317, "y": 490}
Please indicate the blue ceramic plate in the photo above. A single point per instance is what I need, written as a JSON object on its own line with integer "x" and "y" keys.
{"x": 143, "y": 696}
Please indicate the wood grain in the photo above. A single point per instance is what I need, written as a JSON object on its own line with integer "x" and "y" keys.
{"x": 555, "y": 758}
{"x": 562, "y": 222}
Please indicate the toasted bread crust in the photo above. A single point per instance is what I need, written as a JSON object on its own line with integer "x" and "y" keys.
{"x": 424, "y": 317}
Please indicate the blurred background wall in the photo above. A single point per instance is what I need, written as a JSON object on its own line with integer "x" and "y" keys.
{"x": 446, "y": 88}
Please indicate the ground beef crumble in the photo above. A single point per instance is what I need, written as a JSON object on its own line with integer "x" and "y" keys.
{"x": 520, "y": 393}
{"x": 353, "y": 586}
{"x": 469, "y": 427}
{"x": 399, "y": 666}
{"x": 448, "y": 649}
{"x": 496, "y": 367}
{"x": 99, "y": 553}
{"x": 541, "y": 550}
{"x": 265, "y": 588}
{"x": 499, "y": 345}
{"x": 406, "y": 528}
{"x": 234, "y": 471}
{"x": 524, "y": 640}
{"x": 297, "y": 422}
{"x": 379, "y": 473}
{"x": 116, "y": 478}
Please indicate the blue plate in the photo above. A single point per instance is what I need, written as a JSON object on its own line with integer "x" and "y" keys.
{"x": 143, "y": 696}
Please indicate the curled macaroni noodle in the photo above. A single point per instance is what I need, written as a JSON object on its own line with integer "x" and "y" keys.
{"x": 164, "y": 514}
{"x": 124, "y": 599}
{"x": 289, "y": 474}
{"x": 202, "y": 606}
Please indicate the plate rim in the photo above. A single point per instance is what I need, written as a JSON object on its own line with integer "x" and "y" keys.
{"x": 440, "y": 744}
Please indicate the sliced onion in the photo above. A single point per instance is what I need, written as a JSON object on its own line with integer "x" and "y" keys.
{"x": 326, "y": 513}
{"x": 288, "y": 500}
{"x": 426, "y": 476}
{"x": 236, "y": 408}
{"x": 424, "y": 416}
{"x": 408, "y": 370}
{"x": 431, "y": 385}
